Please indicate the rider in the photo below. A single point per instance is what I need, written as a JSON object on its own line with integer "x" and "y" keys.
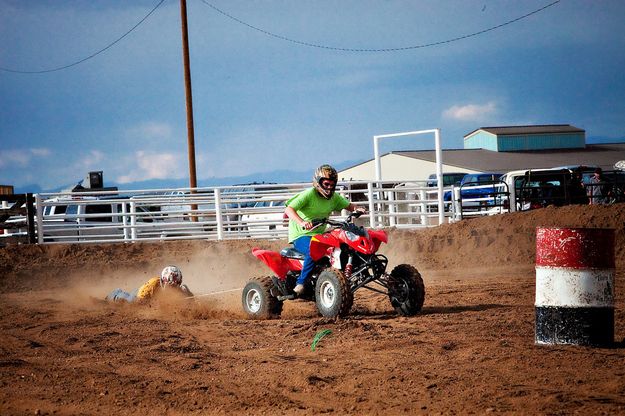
{"x": 313, "y": 203}
{"x": 171, "y": 277}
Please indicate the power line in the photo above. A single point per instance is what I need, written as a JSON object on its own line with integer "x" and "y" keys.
{"x": 334, "y": 48}
{"x": 90, "y": 56}
{"x": 284, "y": 38}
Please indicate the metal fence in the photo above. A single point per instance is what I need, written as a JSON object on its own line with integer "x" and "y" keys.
{"x": 246, "y": 211}
{"x": 216, "y": 213}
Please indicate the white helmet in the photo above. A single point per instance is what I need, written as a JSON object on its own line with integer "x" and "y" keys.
{"x": 171, "y": 276}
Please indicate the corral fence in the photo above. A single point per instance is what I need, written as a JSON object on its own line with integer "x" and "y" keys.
{"x": 17, "y": 217}
{"x": 218, "y": 213}
{"x": 559, "y": 187}
{"x": 243, "y": 211}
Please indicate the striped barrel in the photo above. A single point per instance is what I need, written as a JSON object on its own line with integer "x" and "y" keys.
{"x": 574, "y": 286}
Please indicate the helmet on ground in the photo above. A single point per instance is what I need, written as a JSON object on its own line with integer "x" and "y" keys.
{"x": 324, "y": 180}
{"x": 171, "y": 276}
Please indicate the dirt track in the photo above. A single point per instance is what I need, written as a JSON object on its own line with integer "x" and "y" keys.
{"x": 471, "y": 350}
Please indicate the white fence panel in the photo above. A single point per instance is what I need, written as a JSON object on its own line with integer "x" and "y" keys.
{"x": 233, "y": 212}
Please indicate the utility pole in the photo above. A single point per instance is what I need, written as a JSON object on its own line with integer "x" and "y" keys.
{"x": 189, "y": 100}
{"x": 189, "y": 96}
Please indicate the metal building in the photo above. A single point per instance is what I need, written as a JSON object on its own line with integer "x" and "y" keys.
{"x": 496, "y": 149}
{"x": 521, "y": 138}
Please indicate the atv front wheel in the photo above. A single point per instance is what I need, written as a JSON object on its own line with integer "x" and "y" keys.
{"x": 406, "y": 290}
{"x": 258, "y": 302}
{"x": 332, "y": 294}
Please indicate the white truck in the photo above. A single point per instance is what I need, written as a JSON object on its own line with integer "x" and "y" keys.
{"x": 68, "y": 219}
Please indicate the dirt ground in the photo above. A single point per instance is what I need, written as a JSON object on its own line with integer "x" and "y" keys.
{"x": 64, "y": 351}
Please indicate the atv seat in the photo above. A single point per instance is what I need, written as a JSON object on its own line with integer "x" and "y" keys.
{"x": 291, "y": 253}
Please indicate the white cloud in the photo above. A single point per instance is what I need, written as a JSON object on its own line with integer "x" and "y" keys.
{"x": 40, "y": 152}
{"x": 91, "y": 160}
{"x": 14, "y": 157}
{"x": 81, "y": 163}
{"x": 150, "y": 130}
{"x": 148, "y": 165}
{"x": 471, "y": 112}
{"x": 21, "y": 157}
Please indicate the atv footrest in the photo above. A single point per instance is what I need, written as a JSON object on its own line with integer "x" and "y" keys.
{"x": 287, "y": 297}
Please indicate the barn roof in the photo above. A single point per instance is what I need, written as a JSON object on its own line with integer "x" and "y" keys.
{"x": 525, "y": 130}
{"x": 603, "y": 155}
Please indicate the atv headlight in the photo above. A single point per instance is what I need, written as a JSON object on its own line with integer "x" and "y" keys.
{"x": 351, "y": 236}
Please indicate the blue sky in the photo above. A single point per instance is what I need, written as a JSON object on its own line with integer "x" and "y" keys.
{"x": 263, "y": 104}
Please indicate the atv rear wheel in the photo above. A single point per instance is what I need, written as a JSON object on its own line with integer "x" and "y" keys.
{"x": 406, "y": 290}
{"x": 332, "y": 294}
{"x": 258, "y": 302}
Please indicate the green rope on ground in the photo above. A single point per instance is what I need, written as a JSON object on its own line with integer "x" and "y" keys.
{"x": 318, "y": 337}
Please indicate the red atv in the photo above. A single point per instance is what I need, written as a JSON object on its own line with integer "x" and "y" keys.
{"x": 345, "y": 261}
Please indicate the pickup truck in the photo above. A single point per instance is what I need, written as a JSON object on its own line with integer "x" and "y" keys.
{"x": 475, "y": 186}
{"x": 449, "y": 178}
{"x": 538, "y": 188}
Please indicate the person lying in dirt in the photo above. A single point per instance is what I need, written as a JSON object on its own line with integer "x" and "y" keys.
{"x": 171, "y": 278}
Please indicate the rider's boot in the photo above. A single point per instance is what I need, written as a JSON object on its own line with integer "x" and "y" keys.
{"x": 299, "y": 289}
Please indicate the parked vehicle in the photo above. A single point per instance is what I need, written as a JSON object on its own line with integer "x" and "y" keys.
{"x": 238, "y": 199}
{"x": 538, "y": 188}
{"x": 449, "y": 178}
{"x": 586, "y": 171}
{"x": 183, "y": 205}
{"x": 68, "y": 219}
{"x": 346, "y": 260}
{"x": 616, "y": 180}
{"x": 478, "y": 190}
{"x": 415, "y": 197}
{"x": 266, "y": 218}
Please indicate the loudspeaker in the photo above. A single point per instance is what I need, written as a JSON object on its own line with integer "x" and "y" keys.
{"x": 94, "y": 180}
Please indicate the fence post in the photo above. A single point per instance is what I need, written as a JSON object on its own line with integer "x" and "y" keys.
{"x": 39, "y": 213}
{"x": 220, "y": 222}
{"x": 392, "y": 218}
{"x": 423, "y": 206}
{"x": 30, "y": 218}
{"x": 125, "y": 220}
{"x": 133, "y": 221}
{"x": 456, "y": 202}
{"x": 371, "y": 205}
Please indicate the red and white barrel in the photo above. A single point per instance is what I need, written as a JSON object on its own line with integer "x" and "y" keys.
{"x": 575, "y": 286}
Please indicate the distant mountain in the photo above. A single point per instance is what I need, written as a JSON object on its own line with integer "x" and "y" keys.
{"x": 278, "y": 176}
{"x": 33, "y": 188}
{"x": 604, "y": 140}
{"x": 275, "y": 176}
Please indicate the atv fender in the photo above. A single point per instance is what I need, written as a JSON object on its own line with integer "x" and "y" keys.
{"x": 278, "y": 264}
{"x": 321, "y": 243}
{"x": 378, "y": 237}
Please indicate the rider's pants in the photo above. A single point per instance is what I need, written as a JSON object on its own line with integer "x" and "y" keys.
{"x": 119, "y": 294}
{"x": 302, "y": 245}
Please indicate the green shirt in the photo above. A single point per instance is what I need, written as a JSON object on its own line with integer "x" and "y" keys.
{"x": 309, "y": 205}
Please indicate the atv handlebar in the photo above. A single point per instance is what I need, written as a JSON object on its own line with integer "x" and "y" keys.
{"x": 349, "y": 220}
